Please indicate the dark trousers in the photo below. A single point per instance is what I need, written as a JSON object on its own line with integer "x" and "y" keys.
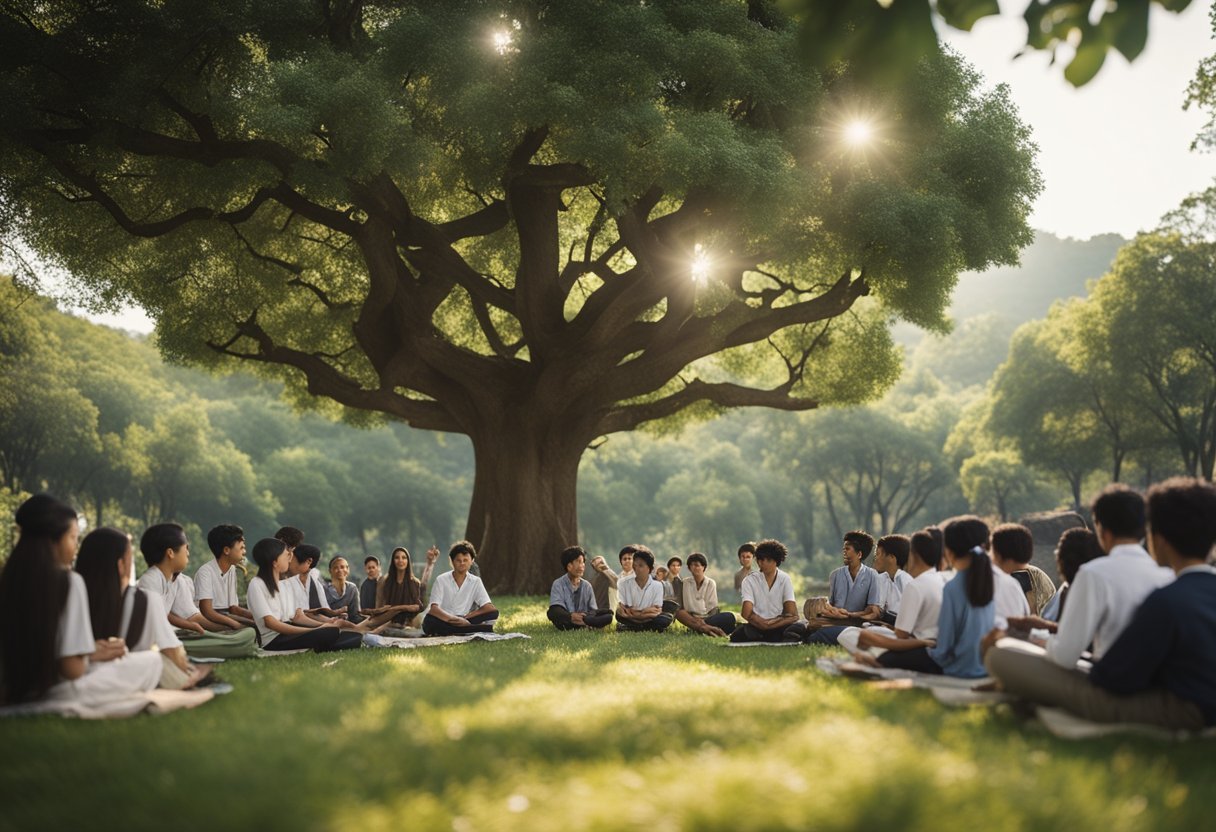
{"x": 917, "y": 660}
{"x": 824, "y": 635}
{"x": 483, "y": 623}
{"x": 560, "y": 616}
{"x": 657, "y": 624}
{"x": 321, "y": 639}
{"x": 791, "y": 632}
{"x": 724, "y": 621}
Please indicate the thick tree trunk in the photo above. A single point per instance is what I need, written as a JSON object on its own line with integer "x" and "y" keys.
{"x": 523, "y": 512}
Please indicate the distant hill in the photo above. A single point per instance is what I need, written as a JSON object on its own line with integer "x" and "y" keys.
{"x": 1052, "y": 268}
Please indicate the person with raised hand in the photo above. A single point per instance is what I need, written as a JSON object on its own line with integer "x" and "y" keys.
{"x": 459, "y": 602}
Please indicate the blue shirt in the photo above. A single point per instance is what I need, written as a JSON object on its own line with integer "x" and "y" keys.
{"x": 854, "y": 594}
{"x": 1170, "y": 643}
{"x": 960, "y": 629}
{"x": 572, "y": 600}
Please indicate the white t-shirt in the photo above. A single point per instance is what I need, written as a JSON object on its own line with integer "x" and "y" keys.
{"x": 640, "y": 597}
{"x": 177, "y": 597}
{"x": 75, "y": 636}
{"x": 768, "y": 602}
{"x": 282, "y": 605}
{"x": 211, "y": 584}
{"x": 463, "y": 599}
{"x": 1009, "y": 597}
{"x": 157, "y": 629}
{"x": 892, "y": 590}
{"x": 921, "y": 605}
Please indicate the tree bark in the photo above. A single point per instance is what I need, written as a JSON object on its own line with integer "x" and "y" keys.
{"x": 524, "y": 510}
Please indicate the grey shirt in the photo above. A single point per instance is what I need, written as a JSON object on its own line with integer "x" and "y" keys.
{"x": 571, "y": 599}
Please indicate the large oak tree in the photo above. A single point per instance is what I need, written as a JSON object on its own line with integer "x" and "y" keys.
{"x": 534, "y": 223}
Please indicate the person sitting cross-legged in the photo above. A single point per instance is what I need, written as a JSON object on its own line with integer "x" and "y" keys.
{"x": 699, "y": 598}
{"x": 1161, "y": 670}
{"x": 459, "y": 602}
{"x": 571, "y": 599}
{"x": 853, "y": 589}
{"x": 769, "y": 610}
{"x": 641, "y": 604}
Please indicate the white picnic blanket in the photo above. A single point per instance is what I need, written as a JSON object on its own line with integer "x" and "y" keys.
{"x": 848, "y": 667}
{"x": 155, "y": 702}
{"x": 763, "y": 644}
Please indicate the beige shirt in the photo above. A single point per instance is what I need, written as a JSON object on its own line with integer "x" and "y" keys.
{"x": 700, "y": 601}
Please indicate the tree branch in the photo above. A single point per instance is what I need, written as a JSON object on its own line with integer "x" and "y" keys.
{"x": 723, "y": 394}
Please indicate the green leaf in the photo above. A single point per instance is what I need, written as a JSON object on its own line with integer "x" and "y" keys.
{"x": 1126, "y": 28}
{"x": 1088, "y": 60}
{"x": 963, "y": 14}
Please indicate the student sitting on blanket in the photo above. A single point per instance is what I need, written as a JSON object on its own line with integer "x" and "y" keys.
{"x": 47, "y": 646}
{"x": 1161, "y": 670}
{"x": 1012, "y": 549}
{"x": 641, "y": 604}
{"x": 769, "y": 612}
{"x": 919, "y": 609}
{"x": 699, "y": 601}
{"x": 399, "y": 596}
{"x": 853, "y": 589}
{"x": 1009, "y": 597}
{"x": 968, "y": 611}
{"x": 571, "y": 600}
{"x": 215, "y": 588}
{"x": 1076, "y": 547}
{"x": 459, "y": 602}
{"x": 1107, "y": 590}
{"x": 167, "y": 552}
{"x": 890, "y": 559}
{"x": 119, "y": 610}
{"x": 367, "y": 589}
{"x": 747, "y": 556}
{"x": 279, "y": 619}
{"x": 341, "y": 594}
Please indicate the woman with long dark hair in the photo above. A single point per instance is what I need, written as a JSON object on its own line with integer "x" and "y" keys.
{"x": 47, "y": 645}
{"x": 399, "y": 595}
{"x": 276, "y": 614}
{"x": 968, "y": 612}
{"x": 119, "y": 610}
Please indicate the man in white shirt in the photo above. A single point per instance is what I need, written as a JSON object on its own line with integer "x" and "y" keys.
{"x": 890, "y": 559}
{"x": 1107, "y": 591}
{"x": 459, "y": 602}
{"x": 769, "y": 610}
{"x": 215, "y": 587}
{"x": 919, "y": 609}
{"x": 641, "y": 596}
{"x": 167, "y": 552}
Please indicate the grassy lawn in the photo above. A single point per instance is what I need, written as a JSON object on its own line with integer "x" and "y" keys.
{"x": 583, "y": 731}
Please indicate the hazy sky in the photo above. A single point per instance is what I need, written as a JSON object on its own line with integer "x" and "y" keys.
{"x": 1115, "y": 155}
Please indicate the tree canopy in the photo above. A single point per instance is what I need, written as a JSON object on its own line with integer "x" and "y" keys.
{"x": 533, "y": 223}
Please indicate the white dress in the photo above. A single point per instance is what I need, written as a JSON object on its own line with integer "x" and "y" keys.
{"x": 102, "y": 682}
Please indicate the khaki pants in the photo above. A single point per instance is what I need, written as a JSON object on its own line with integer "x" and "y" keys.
{"x": 238, "y": 644}
{"x": 1025, "y": 671}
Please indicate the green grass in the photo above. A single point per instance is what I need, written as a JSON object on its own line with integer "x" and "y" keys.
{"x": 583, "y": 731}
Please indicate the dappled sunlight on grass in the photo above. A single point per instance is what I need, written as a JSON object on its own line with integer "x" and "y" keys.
{"x": 588, "y": 730}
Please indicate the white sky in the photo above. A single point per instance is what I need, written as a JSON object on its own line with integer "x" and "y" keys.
{"x": 1115, "y": 154}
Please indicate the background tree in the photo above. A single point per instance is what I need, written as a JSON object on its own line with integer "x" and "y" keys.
{"x": 489, "y": 223}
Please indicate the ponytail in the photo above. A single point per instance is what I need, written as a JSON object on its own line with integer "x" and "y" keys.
{"x": 980, "y": 587}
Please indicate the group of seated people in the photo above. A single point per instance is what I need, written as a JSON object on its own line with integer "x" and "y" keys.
{"x": 75, "y": 626}
{"x": 1129, "y": 636}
